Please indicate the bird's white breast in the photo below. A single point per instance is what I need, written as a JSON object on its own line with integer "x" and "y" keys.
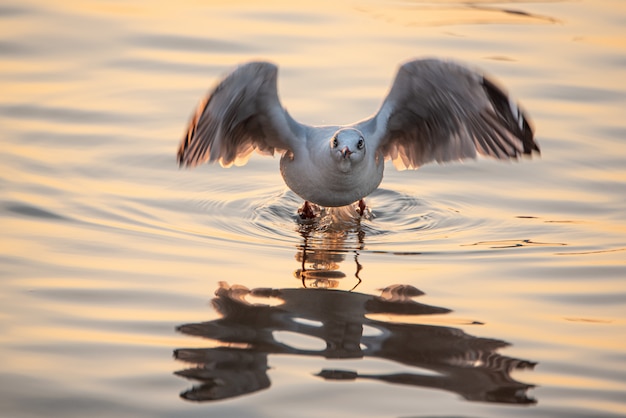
{"x": 319, "y": 180}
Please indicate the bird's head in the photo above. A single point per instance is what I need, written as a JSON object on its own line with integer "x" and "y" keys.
{"x": 347, "y": 147}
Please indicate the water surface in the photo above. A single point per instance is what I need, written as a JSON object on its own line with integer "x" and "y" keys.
{"x": 132, "y": 288}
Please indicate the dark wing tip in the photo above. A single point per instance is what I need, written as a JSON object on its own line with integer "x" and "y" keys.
{"x": 528, "y": 139}
{"x": 185, "y": 156}
{"x": 182, "y": 154}
{"x": 512, "y": 116}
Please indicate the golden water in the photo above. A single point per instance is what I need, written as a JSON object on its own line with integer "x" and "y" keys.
{"x": 111, "y": 254}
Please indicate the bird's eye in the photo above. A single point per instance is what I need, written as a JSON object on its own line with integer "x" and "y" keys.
{"x": 335, "y": 142}
{"x": 360, "y": 144}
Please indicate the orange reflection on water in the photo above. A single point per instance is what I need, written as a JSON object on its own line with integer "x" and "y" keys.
{"x": 108, "y": 246}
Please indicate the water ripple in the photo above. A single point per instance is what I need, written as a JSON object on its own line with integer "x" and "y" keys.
{"x": 188, "y": 43}
{"x": 157, "y": 65}
{"x": 33, "y": 212}
{"x": 272, "y": 219}
{"x": 11, "y": 11}
{"x": 63, "y": 114}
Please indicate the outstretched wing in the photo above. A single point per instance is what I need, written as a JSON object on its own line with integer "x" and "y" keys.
{"x": 241, "y": 114}
{"x": 441, "y": 111}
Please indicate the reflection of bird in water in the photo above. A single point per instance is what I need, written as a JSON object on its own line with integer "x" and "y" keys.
{"x": 326, "y": 243}
{"x": 435, "y": 111}
{"x": 464, "y": 364}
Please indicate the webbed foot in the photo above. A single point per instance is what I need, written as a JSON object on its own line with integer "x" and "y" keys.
{"x": 361, "y": 207}
{"x": 308, "y": 210}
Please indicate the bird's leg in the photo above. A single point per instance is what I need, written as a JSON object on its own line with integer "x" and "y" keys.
{"x": 361, "y": 207}
{"x": 308, "y": 210}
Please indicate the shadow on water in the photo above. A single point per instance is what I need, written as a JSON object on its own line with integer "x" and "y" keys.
{"x": 438, "y": 357}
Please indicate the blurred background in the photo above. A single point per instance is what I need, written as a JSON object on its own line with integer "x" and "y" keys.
{"x": 130, "y": 287}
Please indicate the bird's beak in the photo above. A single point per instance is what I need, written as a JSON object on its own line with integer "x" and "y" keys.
{"x": 345, "y": 152}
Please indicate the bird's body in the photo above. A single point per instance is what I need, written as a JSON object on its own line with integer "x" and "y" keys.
{"x": 435, "y": 111}
{"x": 336, "y": 177}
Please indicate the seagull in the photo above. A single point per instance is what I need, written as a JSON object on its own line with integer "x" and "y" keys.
{"x": 436, "y": 110}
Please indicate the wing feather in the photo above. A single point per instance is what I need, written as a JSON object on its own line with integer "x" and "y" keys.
{"x": 241, "y": 114}
{"x": 441, "y": 111}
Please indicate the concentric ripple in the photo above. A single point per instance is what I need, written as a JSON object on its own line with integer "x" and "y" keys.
{"x": 269, "y": 218}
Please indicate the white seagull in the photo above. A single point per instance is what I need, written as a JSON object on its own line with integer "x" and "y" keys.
{"x": 435, "y": 111}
